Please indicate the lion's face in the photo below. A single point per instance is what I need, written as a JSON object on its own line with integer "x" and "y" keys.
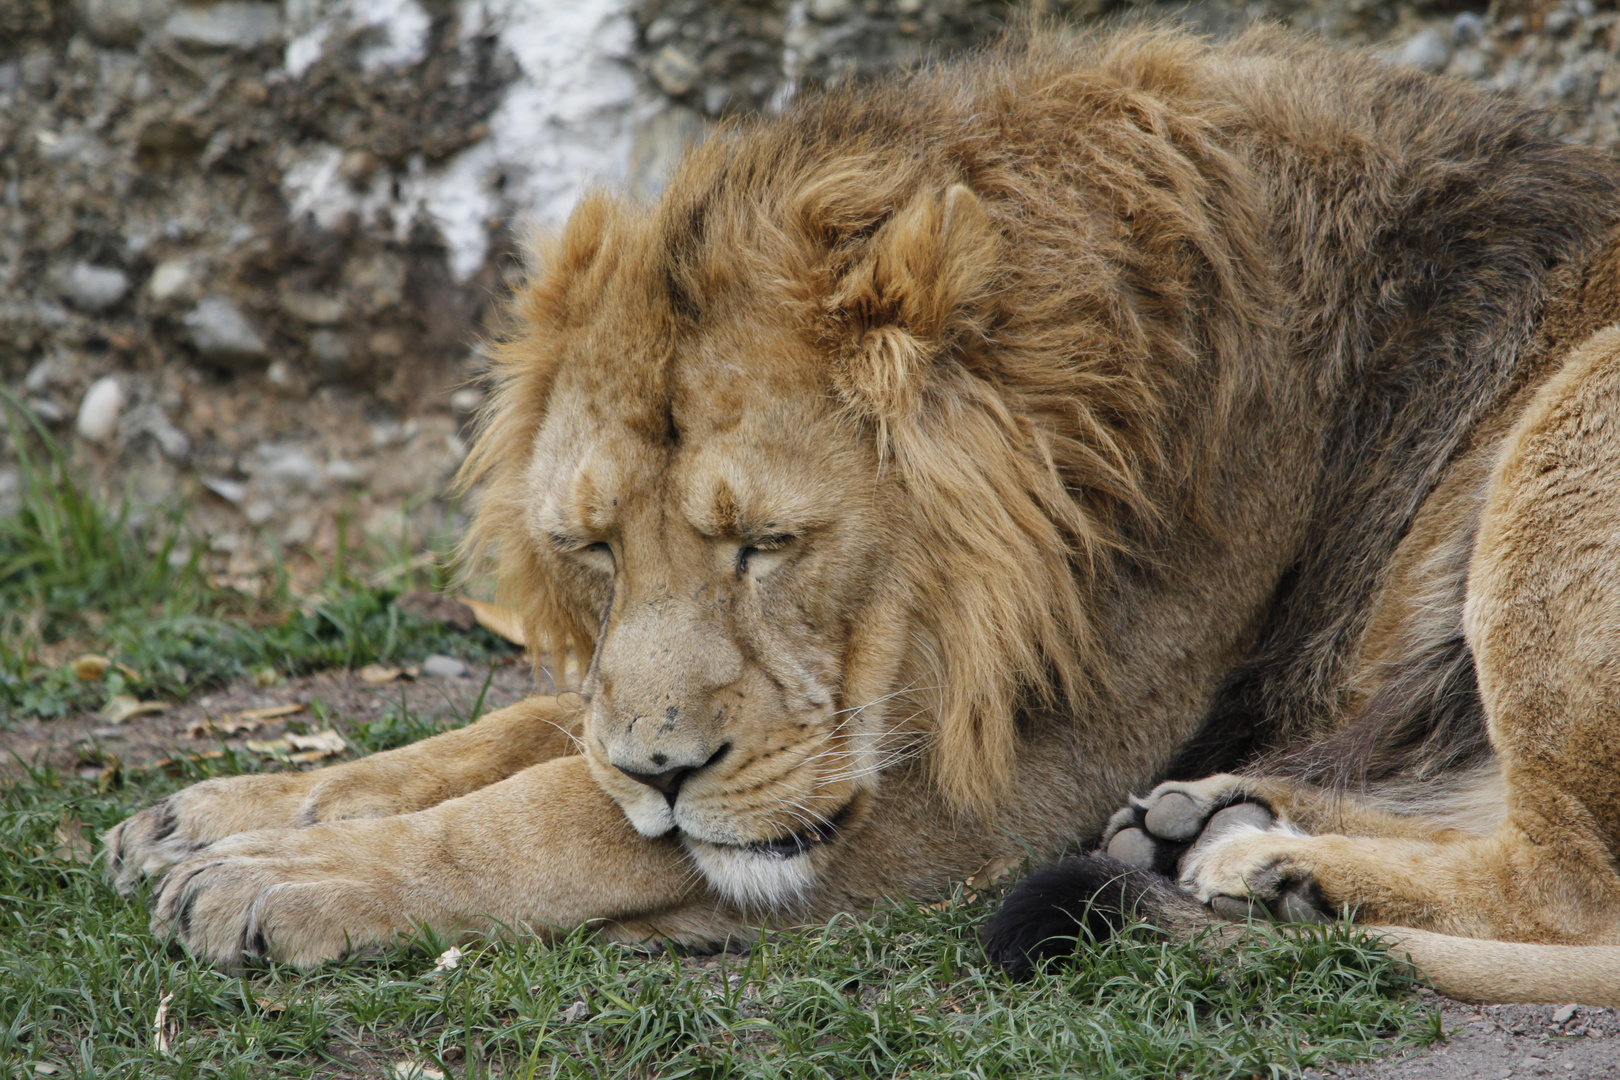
{"x": 729, "y": 545}
{"x": 752, "y": 455}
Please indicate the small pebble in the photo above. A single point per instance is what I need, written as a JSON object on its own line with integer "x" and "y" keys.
{"x": 99, "y": 411}
{"x": 1428, "y": 51}
{"x": 444, "y": 667}
{"x": 95, "y": 288}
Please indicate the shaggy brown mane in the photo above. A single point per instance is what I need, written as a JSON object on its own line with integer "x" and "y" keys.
{"x": 1042, "y": 436}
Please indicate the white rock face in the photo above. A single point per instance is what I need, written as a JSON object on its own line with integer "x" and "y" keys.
{"x": 565, "y": 124}
{"x": 99, "y": 411}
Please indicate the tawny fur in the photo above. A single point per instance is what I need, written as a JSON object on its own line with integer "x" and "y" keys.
{"x": 944, "y": 460}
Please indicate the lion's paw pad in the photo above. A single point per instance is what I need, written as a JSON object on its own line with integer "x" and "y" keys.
{"x": 1159, "y": 832}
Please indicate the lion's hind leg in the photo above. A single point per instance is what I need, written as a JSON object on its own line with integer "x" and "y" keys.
{"x": 1543, "y": 622}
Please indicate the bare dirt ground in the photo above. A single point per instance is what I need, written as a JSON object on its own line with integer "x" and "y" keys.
{"x": 1496, "y": 1042}
{"x": 88, "y": 745}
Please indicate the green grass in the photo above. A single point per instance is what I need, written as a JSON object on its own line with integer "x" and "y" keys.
{"x": 76, "y": 571}
{"x": 906, "y": 994}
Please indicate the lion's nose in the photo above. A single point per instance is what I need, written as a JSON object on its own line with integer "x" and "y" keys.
{"x": 670, "y": 780}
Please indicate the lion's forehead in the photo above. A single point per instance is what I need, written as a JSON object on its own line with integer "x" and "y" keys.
{"x": 766, "y": 460}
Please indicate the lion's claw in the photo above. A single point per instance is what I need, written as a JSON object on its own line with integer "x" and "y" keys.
{"x": 149, "y": 844}
{"x": 237, "y": 902}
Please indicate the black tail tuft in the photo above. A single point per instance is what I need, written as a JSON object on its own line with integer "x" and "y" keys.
{"x": 1092, "y": 896}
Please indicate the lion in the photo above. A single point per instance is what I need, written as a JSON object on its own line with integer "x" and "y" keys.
{"x": 945, "y": 459}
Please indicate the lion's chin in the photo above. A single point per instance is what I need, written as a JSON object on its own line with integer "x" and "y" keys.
{"x": 768, "y": 874}
{"x": 753, "y": 877}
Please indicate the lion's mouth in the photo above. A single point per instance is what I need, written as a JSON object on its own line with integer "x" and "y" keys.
{"x": 796, "y": 844}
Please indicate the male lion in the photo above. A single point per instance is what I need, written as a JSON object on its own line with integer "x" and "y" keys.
{"x": 942, "y": 461}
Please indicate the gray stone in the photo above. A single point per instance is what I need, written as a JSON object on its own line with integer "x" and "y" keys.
{"x": 1563, "y": 1014}
{"x": 1468, "y": 28}
{"x": 222, "y": 333}
{"x": 172, "y": 279}
{"x": 48, "y": 411}
{"x": 674, "y": 71}
{"x": 94, "y": 288}
{"x": 659, "y": 144}
{"x": 829, "y": 10}
{"x": 98, "y": 412}
{"x": 228, "y": 25}
{"x": 174, "y": 443}
{"x": 121, "y": 22}
{"x": 330, "y": 351}
{"x": 232, "y": 491}
{"x": 444, "y": 667}
{"x": 290, "y": 467}
{"x": 1428, "y": 51}
{"x": 313, "y": 308}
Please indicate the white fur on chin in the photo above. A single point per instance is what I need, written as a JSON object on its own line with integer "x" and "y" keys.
{"x": 753, "y": 879}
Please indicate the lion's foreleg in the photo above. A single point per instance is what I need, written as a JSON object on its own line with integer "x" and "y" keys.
{"x": 398, "y": 781}
{"x": 545, "y": 849}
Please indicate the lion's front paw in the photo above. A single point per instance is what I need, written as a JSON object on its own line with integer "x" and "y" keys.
{"x": 149, "y": 843}
{"x": 253, "y": 897}
{"x": 1252, "y": 873}
{"x": 1193, "y": 832}
{"x": 1157, "y": 832}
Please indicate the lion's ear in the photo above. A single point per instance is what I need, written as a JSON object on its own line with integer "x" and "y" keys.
{"x": 568, "y": 264}
{"x": 914, "y": 295}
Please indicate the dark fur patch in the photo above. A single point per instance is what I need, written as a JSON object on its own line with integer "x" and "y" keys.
{"x": 1092, "y": 897}
{"x": 166, "y": 821}
{"x": 1427, "y": 326}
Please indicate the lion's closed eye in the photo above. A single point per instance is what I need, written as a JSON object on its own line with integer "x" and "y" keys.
{"x": 764, "y": 554}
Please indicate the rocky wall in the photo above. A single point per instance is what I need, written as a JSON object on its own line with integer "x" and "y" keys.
{"x": 247, "y": 248}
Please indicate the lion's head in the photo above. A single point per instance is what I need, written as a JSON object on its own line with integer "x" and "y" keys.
{"x": 796, "y": 459}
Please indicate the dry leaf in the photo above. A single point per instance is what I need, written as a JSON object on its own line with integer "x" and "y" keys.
{"x": 307, "y": 757}
{"x": 268, "y": 746}
{"x": 269, "y": 712}
{"x": 237, "y": 722}
{"x": 327, "y": 742}
{"x": 413, "y": 1070}
{"x": 122, "y": 707}
{"x": 160, "y": 1024}
{"x": 377, "y": 674}
{"x": 448, "y": 960}
{"x": 497, "y": 620}
{"x": 91, "y": 667}
{"x": 270, "y": 1002}
{"x": 175, "y": 766}
{"x": 71, "y": 843}
{"x": 991, "y": 872}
